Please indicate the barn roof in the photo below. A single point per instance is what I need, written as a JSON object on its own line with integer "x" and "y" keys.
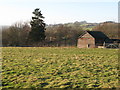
{"x": 96, "y": 34}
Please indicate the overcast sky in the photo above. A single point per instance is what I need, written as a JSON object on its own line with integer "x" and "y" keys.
{"x": 59, "y": 11}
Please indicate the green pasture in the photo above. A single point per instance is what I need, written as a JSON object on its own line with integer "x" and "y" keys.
{"x": 55, "y": 67}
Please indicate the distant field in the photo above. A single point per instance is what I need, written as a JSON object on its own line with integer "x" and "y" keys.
{"x": 39, "y": 67}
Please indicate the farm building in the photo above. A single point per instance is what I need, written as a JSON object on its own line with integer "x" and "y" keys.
{"x": 94, "y": 39}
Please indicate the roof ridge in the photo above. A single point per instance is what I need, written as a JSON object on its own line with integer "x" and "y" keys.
{"x": 95, "y": 34}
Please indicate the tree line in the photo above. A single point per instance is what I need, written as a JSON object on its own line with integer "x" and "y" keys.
{"x": 56, "y": 35}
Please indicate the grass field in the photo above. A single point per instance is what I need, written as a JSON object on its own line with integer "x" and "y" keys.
{"x": 45, "y": 67}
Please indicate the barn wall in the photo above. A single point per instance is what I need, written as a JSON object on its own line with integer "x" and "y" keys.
{"x": 86, "y": 41}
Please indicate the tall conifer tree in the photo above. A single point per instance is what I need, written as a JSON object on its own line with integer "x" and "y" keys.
{"x": 37, "y": 33}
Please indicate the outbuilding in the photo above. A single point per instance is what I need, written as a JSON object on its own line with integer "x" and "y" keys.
{"x": 92, "y": 39}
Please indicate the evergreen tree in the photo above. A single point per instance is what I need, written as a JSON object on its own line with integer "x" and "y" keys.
{"x": 37, "y": 32}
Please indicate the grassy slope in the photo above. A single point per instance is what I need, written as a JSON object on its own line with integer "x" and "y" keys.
{"x": 59, "y": 67}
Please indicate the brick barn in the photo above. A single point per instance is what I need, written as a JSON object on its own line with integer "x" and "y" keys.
{"x": 92, "y": 39}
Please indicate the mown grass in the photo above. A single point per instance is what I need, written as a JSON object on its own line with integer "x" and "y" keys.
{"x": 45, "y": 67}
